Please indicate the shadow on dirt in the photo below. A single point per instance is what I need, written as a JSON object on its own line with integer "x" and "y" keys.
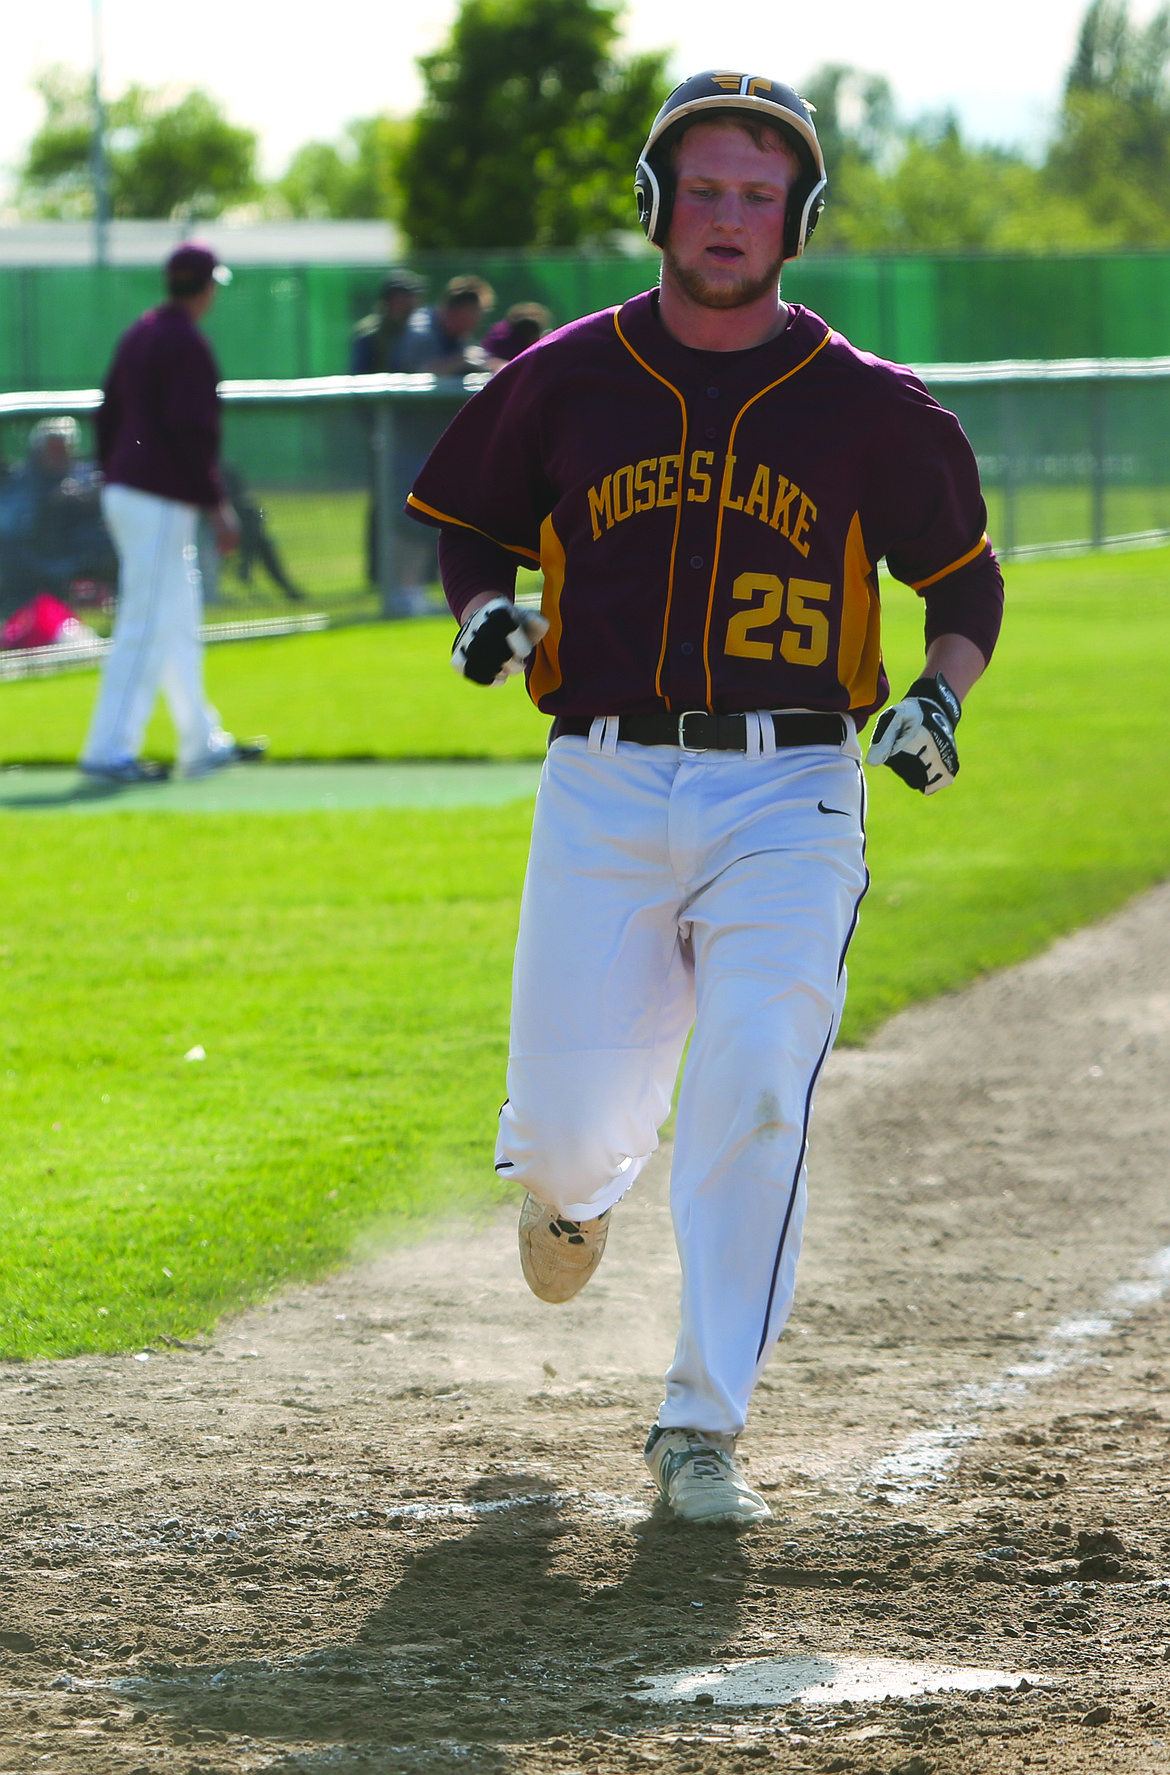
{"x": 514, "y": 1629}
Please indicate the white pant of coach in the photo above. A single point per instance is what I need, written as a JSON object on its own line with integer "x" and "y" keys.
{"x": 665, "y": 888}
{"x": 156, "y": 641}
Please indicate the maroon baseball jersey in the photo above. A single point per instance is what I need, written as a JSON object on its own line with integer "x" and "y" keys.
{"x": 158, "y": 426}
{"x": 709, "y": 524}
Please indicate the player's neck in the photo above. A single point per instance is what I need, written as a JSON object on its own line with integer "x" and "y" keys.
{"x": 194, "y": 307}
{"x": 720, "y": 329}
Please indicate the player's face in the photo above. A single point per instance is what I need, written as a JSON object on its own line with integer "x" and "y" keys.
{"x": 461, "y": 318}
{"x": 726, "y": 242}
{"x": 399, "y": 305}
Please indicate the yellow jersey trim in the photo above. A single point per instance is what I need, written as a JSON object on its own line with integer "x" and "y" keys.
{"x": 859, "y": 648}
{"x": 678, "y": 514}
{"x": 963, "y": 561}
{"x": 446, "y": 518}
{"x": 759, "y": 394}
{"x": 545, "y": 676}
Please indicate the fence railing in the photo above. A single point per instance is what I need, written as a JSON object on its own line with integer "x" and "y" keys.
{"x": 1074, "y": 454}
{"x": 327, "y": 461}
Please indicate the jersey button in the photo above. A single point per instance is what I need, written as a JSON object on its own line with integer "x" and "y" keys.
{"x": 711, "y": 432}
{"x": 686, "y": 648}
{"x": 696, "y": 560}
{"x": 714, "y": 393}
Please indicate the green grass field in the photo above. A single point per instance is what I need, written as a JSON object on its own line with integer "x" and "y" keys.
{"x": 321, "y": 537}
{"x": 374, "y": 690}
{"x": 347, "y": 973}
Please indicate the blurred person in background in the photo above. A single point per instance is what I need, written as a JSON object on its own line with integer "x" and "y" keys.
{"x": 374, "y": 351}
{"x": 52, "y": 538}
{"x": 158, "y": 434}
{"x": 257, "y": 543}
{"x": 376, "y": 338}
{"x": 435, "y": 341}
{"x": 438, "y": 340}
{"x": 522, "y": 326}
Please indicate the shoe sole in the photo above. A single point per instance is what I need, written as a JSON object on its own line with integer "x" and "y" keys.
{"x": 538, "y": 1257}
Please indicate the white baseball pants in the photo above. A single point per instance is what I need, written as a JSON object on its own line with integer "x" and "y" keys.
{"x": 662, "y": 889}
{"x": 156, "y": 635}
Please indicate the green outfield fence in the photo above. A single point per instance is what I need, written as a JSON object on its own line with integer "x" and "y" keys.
{"x": 58, "y": 324}
{"x": 1074, "y": 454}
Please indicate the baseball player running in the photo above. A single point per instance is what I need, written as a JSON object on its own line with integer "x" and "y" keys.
{"x": 708, "y": 477}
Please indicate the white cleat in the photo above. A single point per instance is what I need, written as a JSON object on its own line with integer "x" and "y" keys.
{"x": 700, "y": 1479}
{"x": 558, "y": 1256}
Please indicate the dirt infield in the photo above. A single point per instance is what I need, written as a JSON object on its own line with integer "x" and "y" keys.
{"x": 399, "y": 1521}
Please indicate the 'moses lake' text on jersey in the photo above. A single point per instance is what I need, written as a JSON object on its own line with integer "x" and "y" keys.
{"x": 709, "y": 523}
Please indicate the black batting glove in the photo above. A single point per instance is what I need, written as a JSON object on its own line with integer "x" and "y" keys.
{"x": 916, "y": 737}
{"x": 495, "y": 641}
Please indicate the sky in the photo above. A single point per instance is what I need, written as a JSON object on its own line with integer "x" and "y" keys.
{"x": 999, "y": 65}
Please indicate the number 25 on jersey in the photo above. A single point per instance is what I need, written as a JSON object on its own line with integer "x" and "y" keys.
{"x": 805, "y": 642}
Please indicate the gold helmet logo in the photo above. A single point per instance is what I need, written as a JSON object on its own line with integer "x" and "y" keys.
{"x": 746, "y": 85}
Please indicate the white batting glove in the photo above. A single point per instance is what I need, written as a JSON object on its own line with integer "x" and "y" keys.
{"x": 916, "y": 738}
{"x": 495, "y": 641}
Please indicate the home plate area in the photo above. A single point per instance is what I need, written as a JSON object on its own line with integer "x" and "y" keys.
{"x": 398, "y": 1520}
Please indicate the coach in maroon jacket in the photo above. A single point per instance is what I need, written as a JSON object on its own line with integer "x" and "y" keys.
{"x": 158, "y": 442}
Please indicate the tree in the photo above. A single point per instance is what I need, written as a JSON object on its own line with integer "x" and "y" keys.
{"x": 357, "y": 177}
{"x": 855, "y": 116}
{"x": 55, "y": 177}
{"x": 165, "y": 155}
{"x": 529, "y": 128}
{"x": 898, "y": 187}
{"x": 187, "y": 159}
{"x": 942, "y": 194}
{"x": 1112, "y": 149}
{"x": 861, "y": 140}
{"x": 1118, "y": 58}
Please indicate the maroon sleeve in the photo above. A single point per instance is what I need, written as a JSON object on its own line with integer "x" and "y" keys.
{"x": 967, "y": 602}
{"x": 933, "y": 521}
{"x": 470, "y": 564}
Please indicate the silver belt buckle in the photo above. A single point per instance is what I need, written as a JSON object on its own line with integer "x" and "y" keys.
{"x": 695, "y": 751}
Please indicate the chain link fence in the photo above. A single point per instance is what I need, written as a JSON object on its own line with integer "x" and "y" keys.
{"x": 318, "y": 470}
{"x": 1074, "y": 455}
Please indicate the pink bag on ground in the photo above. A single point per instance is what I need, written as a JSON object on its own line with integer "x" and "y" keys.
{"x": 39, "y": 623}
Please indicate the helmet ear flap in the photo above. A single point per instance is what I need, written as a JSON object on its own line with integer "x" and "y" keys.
{"x": 655, "y": 194}
{"x": 806, "y": 200}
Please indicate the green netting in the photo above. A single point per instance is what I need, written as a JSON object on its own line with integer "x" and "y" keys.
{"x": 58, "y": 325}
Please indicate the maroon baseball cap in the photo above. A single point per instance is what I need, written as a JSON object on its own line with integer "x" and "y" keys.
{"x": 191, "y": 267}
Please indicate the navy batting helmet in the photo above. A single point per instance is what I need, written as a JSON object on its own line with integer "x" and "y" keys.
{"x": 710, "y": 93}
